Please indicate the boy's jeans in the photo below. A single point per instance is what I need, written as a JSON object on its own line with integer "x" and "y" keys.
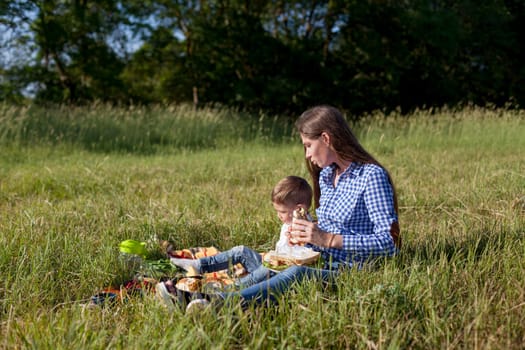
{"x": 249, "y": 259}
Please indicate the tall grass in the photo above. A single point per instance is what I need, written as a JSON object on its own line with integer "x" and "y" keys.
{"x": 65, "y": 205}
{"x": 136, "y": 129}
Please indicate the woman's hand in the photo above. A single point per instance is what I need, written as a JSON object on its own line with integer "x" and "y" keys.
{"x": 304, "y": 231}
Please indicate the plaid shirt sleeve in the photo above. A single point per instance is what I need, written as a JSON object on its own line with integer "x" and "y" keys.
{"x": 361, "y": 208}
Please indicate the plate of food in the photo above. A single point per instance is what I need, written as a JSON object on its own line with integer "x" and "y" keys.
{"x": 305, "y": 257}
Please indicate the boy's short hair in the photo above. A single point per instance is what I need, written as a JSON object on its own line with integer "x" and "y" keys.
{"x": 292, "y": 190}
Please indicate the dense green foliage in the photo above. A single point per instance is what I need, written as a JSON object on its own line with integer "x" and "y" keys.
{"x": 67, "y": 204}
{"x": 277, "y": 56}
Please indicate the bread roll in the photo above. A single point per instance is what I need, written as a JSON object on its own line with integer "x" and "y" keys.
{"x": 189, "y": 284}
{"x": 299, "y": 213}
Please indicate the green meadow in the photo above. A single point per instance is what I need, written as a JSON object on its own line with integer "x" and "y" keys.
{"x": 75, "y": 182}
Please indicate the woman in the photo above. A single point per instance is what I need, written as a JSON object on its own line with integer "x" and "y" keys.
{"x": 355, "y": 201}
{"x": 354, "y": 195}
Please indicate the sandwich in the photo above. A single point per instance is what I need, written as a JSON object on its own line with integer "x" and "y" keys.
{"x": 299, "y": 213}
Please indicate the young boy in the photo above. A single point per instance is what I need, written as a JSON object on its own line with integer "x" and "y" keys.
{"x": 290, "y": 193}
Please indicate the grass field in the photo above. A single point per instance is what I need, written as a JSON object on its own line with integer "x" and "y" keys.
{"x": 76, "y": 182}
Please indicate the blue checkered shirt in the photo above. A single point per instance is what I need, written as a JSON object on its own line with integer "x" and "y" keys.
{"x": 361, "y": 208}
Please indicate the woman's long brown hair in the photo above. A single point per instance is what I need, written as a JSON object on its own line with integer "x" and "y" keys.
{"x": 313, "y": 122}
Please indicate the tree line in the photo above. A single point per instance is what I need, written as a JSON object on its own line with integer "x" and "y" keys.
{"x": 278, "y": 56}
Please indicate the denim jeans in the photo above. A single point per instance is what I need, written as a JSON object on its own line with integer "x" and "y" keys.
{"x": 269, "y": 289}
{"x": 248, "y": 258}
